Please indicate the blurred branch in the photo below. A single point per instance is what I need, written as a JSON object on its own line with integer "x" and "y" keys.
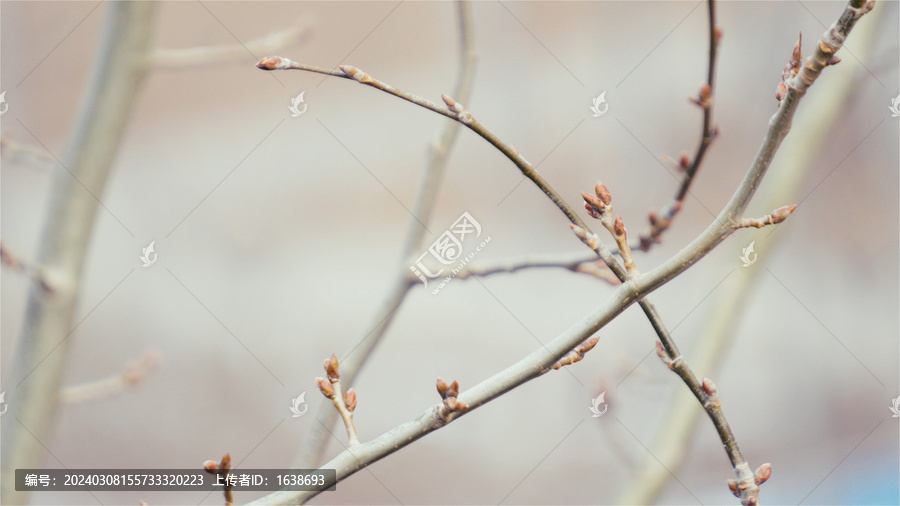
{"x": 637, "y": 287}
{"x": 575, "y": 262}
{"x": 789, "y": 171}
{"x": 13, "y": 149}
{"x": 220, "y": 471}
{"x": 116, "y": 75}
{"x": 229, "y": 53}
{"x": 16, "y": 263}
{"x": 134, "y": 373}
{"x": 316, "y": 439}
{"x": 706, "y": 98}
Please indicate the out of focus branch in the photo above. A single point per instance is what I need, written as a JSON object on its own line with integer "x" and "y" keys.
{"x": 316, "y": 438}
{"x": 790, "y": 170}
{"x": 660, "y": 222}
{"x": 36, "y": 382}
{"x": 134, "y": 374}
{"x": 575, "y": 262}
{"x": 16, "y": 263}
{"x": 228, "y": 53}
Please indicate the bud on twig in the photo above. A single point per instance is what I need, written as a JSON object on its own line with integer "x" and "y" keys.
{"x": 603, "y": 193}
{"x": 619, "y": 227}
{"x": 331, "y": 368}
{"x": 325, "y": 387}
{"x": 763, "y": 473}
{"x": 350, "y": 400}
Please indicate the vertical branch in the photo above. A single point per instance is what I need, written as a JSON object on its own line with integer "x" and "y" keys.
{"x": 659, "y": 223}
{"x": 314, "y": 443}
{"x": 714, "y": 340}
{"x": 34, "y": 386}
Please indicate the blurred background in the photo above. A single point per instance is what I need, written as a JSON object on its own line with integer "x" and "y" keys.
{"x": 278, "y": 239}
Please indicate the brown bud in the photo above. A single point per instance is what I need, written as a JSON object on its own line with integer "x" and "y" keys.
{"x": 782, "y": 213}
{"x": 684, "y": 162}
{"x": 453, "y": 391}
{"x": 325, "y": 387}
{"x": 718, "y": 33}
{"x": 225, "y": 465}
{"x": 662, "y": 353}
{"x": 331, "y": 368}
{"x": 708, "y": 387}
{"x": 593, "y": 201}
{"x": 211, "y": 466}
{"x": 442, "y": 387}
{"x": 350, "y": 400}
{"x": 763, "y": 473}
{"x": 619, "y": 227}
{"x": 450, "y": 403}
{"x": 603, "y": 193}
{"x": 592, "y": 211}
{"x": 461, "y": 406}
{"x": 589, "y": 344}
{"x": 269, "y": 63}
{"x": 732, "y": 485}
{"x": 705, "y": 92}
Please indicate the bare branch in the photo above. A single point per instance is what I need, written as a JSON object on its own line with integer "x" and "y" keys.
{"x": 660, "y": 222}
{"x": 116, "y": 75}
{"x": 230, "y": 53}
{"x": 776, "y": 217}
{"x": 134, "y": 374}
{"x": 310, "y": 454}
{"x": 575, "y": 262}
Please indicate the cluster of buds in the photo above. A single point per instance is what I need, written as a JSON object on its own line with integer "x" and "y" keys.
{"x": 762, "y": 474}
{"x": 790, "y": 70}
{"x": 449, "y": 394}
{"x": 330, "y": 386}
{"x": 577, "y": 354}
{"x": 221, "y": 470}
{"x": 598, "y": 204}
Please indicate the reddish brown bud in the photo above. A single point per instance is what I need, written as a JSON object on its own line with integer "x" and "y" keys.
{"x": 593, "y": 201}
{"x": 225, "y": 465}
{"x": 782, "y": 213}
{"x": 732, "y": 485}
{"x": 453, "y": 391}
{"x": 331, "y": 368}
{"x": 211, "y": 466}
{"x": 461, "y": 406}
{"x": 684, "y": 162}
{"x": 763, "y": 473}
{"x": 705, "y": 92}
{"x": 708, "y": 387}
{"x": 603, "y": 193}
{"x": 718, "y": 33}
{"x": 350, "y": 400}
{"x": 269, "y": 63}
{"x": 325, "y": 387}
{"x": 589, "y": 344}
{"x": 450, "y": 403}
{"x": 442, "y": 387}
{"x": 619, "y": 227}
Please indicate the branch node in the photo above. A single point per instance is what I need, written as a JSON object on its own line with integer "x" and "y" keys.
{"x": 451, "y": 404}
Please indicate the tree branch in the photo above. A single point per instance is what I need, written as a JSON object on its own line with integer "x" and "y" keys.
{"x": 313, "y": 446}
{"x": 115, "y": 77}
{"x": 634, "y": 289}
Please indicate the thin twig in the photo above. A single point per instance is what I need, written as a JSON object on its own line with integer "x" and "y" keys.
{"x": 34, "y": 388}
{"x": 634, "y": 290}
{"x": 313, "y": 446}
{"x": 788, "y": 173}
{"x": 231, "y": 53}
{"x": 575, "y": 262}
{"x": 134, "y": 373}
{"x": 660, "y": 222}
